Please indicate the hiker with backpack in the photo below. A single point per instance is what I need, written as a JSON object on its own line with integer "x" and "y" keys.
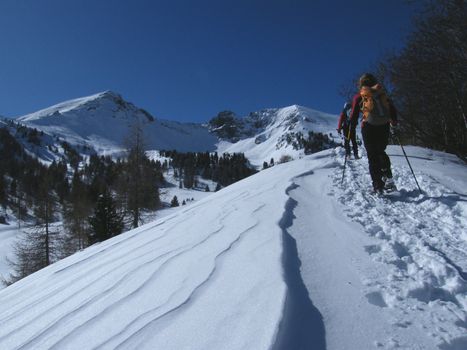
{"x": 379, "y": 114}
{"x": 349, "y": 134}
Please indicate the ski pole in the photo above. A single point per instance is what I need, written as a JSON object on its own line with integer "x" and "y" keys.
{"x": 410, "y": 166}
{"x": 345, "y": 159}
{"x": 343, "y": 171}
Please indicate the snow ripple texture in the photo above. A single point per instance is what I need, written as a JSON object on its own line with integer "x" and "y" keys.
{"x": 212, "y": 267}
{"x": 238, "y": 268}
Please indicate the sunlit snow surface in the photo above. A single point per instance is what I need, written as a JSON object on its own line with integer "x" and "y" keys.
{"x": 289, "y": 258}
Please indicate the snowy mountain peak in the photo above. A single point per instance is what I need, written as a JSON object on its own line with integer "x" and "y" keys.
{"x": 108, "y": 93}
{"x": 272, "y": 133}
{"x": 107, "y": 102}
{"x": 103, "y": 121}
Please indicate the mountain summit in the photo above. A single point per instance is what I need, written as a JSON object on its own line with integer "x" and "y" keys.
{"x": 103, "y": 120}
{"x": 274, "y": 133}
{"x": 104, "y": 100}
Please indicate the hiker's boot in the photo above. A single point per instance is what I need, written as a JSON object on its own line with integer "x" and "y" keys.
{"x": 389, "y": 185}
{"x": 378, "y": 187}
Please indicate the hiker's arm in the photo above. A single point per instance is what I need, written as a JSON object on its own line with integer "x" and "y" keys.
{"x": 355, "y": 111}
{"x": 341, "y": 120}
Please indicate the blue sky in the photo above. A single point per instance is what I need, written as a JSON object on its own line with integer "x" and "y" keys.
{"x": 188, "y": 60}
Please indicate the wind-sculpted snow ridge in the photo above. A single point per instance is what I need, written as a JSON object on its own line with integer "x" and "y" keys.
{"x": 208, "y": 277}
{"x": 421, "y": 240}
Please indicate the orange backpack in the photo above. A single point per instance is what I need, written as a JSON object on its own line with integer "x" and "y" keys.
{"x": 375, "y": 105}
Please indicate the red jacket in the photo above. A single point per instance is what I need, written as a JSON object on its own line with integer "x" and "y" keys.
{"x": 343, "y": 118}
{"x": 342, "y": 121}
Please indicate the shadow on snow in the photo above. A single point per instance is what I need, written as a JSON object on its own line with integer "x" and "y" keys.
{"x": 302, "y": 325}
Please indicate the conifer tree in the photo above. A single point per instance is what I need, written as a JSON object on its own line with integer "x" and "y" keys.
{"x": 18, "y": 201}
{"x": 46, "y": 205}
{"x": 37, "y": 247}
{"x": 141, "y": 177}
{"x": 106, "y": 222}
{"x": 189, "y": 173}
{"x": 3, "y": 195}
{"x": 174, "y": 202}
{"x": 3, "y": 198}
{"x": 28, "y": 256}
{"x": 76, "y": 214}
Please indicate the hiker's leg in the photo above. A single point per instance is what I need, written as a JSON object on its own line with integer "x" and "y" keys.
{"x": 346, "y": 141}
{"x": 384, "y": 159}
{"x": 373, "y": 150}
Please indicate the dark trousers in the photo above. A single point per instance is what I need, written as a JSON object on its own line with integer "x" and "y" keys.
{"x": 347, "y": 140}
{"x": 375, "y": 139}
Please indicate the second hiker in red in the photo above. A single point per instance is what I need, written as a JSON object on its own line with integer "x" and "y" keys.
{"x": 349, "y": 134}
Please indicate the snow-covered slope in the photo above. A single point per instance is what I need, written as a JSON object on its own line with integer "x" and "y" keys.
{"x": 286, "y": 259}
{"x": 265, "y": 133}
{"x": 103, "y": 121}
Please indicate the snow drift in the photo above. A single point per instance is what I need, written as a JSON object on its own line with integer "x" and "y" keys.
{"x": 286, "y": 259}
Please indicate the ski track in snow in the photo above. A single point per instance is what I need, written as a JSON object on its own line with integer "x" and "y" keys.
{"x": 422, "y": 238}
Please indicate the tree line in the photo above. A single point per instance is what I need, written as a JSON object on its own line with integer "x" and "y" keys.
{"x": 224, "y": 169}
{"x": 312, "y": 143}
{"x": 95, "y": 199}
{"x": 71, "y": 203}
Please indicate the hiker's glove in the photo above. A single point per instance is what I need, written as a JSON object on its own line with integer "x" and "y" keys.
{"x": 339, "y": 131}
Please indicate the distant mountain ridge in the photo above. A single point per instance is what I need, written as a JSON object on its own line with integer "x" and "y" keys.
{"x": 273, "y": 133}
{"x": 102, "y": 122}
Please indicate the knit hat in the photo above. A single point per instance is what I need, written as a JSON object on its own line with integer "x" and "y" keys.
{"x": 368, "y": 79}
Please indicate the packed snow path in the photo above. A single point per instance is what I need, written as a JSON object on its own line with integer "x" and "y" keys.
{"x": 287, "y": 259}
{"x": 407, "y": 287}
